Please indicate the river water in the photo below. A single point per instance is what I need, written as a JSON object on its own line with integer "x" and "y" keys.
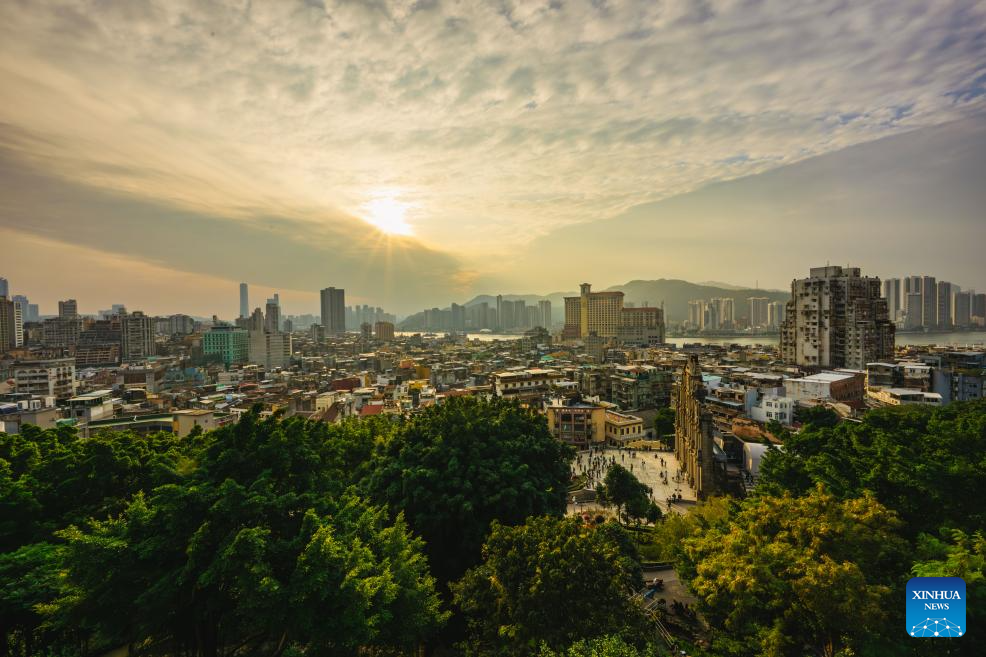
{"x": 956, "y": 339}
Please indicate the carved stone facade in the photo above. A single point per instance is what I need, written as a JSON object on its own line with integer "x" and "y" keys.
{"x": 693, "y": 430}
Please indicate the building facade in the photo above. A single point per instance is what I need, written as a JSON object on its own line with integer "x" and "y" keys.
{"x": 333, "y": 310}
{"x": 231, "y": 344}
{"x": 51, "y": 377}
{"x": 693, "y": 430}
{"x": 836, "y": 318}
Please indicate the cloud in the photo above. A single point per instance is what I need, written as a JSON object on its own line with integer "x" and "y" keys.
{"x": 903, "y": 205}
{"x": 299, "y": 252}
{"x": 497, "y": 122}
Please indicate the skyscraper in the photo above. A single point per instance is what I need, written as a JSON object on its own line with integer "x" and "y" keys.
{"x": 836, "y": 318}
{"x": 544, "y": 311}
{"x": 4, "y": 287}
{"x": 244, "y": 300}
{"x": 893, "y": 293}
{"x": 929, "y": 302}
{"x": 333, "y": 310}
{"x": 775, "y": 314}
{"x": 962, "y": 309}
{"x": 758, "y": 311}
{"x": 944, "y": 314}
{"x": 272, "y": 319}
{"x": 136, "y": 336}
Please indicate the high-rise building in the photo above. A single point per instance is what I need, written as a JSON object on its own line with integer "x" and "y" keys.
{"x": 244, "y": 300}
{"x": 893, "y": 290}
{"x": 727, "y": 312}
{"x": 68, "y": 309}
{"x": 11, "y": 325}
{"x": 944, "y": 292}
{"x": 696, "y": 314}
{"x": 929, "y": 302}
{"x": 272, "y": 320}
{"x": 544, "y": 311}
{"x": 458, "y": 317}
{"x": 61, "y": 331}
{"x": 979, "y": 309}
{"x": 4, "y": 287}
{"x": 136, "y": 336}
{"x": 229, "y": 344}
{"x": 269, "y": 349}
{"x": 912, "y": 305}
{"x": 599, "y": 313}
{"x": 641, "y": 327}
{"x": 334, "y": 310}
{"x": 775, "y": 314}
{"x": 836, "y": 318}
{"x": 384, "y": 330}
{"x": 29, "y": 311}
{"x": 758, "y": 312}
{"x": 962, "y": 309}
{"x": 99, "y": 343}
{"x": 912, "y": 317}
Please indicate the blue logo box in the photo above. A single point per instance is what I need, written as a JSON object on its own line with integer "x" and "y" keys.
{"x": 936, "y": 607}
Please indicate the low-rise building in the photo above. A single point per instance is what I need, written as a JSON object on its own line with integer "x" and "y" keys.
{"x": 525, "y": 385}
{"x": 841, "y": 386}
{"x": 50, "y": 377}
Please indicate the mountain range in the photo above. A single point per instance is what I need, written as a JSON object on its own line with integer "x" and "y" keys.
{"x": 674, "y": 294}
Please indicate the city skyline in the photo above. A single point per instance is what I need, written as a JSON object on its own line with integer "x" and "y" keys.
{"x": 457, "y": 150}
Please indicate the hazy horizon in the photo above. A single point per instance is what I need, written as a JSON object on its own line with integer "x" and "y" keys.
{"x": 157, "y": 154}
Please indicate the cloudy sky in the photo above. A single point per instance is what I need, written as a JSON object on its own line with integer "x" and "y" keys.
{"x": 158, "y": 153}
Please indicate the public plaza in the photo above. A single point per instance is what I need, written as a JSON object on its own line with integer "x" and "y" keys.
{"x": 658, "y": 470}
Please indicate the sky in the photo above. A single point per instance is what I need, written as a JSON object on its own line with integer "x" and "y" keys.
{"x": 415, "y": 153}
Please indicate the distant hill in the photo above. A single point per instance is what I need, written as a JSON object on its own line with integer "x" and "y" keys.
{"x": 675, "y": 294}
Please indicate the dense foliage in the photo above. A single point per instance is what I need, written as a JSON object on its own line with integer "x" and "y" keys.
{"x": 550, "y": 582}
{"x": 454, "y": 471}
{"x": 817, "y": 560}
{"x": 285, "y": 537}
{"x": 271, "y": 536}
{"x": 919, "y": 461}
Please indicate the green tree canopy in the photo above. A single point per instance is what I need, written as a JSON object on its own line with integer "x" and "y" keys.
{"x": 788, "y": 575}
{"x": 551, "y": 581}
{"x": 913, "y": 459}
{"x": 631, "y": 497}
{"x": 607, "y": 646}
{"x": 258, "y": 547}
{"x": 455, "y": 468}
{"x": 664, "y": 422}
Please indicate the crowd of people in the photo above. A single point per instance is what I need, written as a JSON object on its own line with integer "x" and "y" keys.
{"x": 594, "y": 463}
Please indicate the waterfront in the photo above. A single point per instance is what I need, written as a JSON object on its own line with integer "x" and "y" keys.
{"x": 956, "y": 339}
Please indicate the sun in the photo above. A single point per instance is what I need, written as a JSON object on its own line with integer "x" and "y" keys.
{"x": 387, "y": 214}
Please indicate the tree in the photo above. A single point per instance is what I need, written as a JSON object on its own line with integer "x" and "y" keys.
{"x": 548, "y": 582}
{"x": 959, "y": 555}
{"x": 794, "y": 573}
{"x": 607, "y": 646}
{"x": 256, "y": 549}
{"x": 911, "y": 459}
{"x": 664, "y": 422}
{"x": 455, "y": 468}
{"x": 630, "y": 496}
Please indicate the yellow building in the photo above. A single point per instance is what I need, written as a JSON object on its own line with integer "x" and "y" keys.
{"x": 598, "y": 312}
{"x": 582, "y": 424}
{"x": 579, "y": 425}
